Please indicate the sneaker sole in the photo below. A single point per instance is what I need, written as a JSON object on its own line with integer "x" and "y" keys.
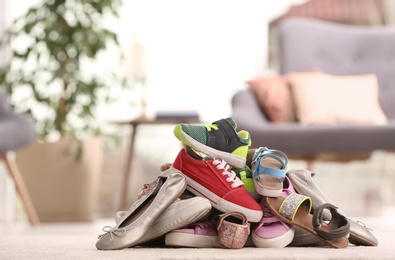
{"x": 276, "y": 242}
{"x": 178, "y": 239}
{"x": 221, "y": 204}
{"x": 231, "y": 159}
{"x": 178, "y": 215}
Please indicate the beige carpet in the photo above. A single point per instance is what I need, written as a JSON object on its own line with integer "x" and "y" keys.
{"x": 77, "y": 241}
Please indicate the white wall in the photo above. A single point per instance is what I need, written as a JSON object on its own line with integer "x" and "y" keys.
{"x": 198, "y": 53}
{"x": 199, "y": 50}
{"x": 7, "y": 196}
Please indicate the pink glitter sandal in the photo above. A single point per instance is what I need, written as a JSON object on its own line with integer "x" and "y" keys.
{"x": 233, "y": 230}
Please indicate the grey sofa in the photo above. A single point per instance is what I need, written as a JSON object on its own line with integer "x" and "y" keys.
{"x": 339, "y": 50}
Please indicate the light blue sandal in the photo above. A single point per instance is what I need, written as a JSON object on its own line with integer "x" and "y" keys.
{"x": 269, "y": 168}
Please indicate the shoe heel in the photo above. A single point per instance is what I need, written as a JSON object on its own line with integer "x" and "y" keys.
{"x": 272, "y": 188}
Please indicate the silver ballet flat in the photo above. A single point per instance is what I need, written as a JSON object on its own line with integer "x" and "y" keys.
{"x": 141, "y": 215}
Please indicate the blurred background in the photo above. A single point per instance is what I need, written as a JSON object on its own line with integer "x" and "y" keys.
{"x": 188, "y": 56}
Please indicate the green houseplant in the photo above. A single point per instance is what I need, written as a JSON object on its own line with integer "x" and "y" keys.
{"x": 52, "y": 75}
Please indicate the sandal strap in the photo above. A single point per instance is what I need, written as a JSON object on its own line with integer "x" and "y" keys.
{"x": 280, "y": 156}
{"x": 292, "y": 203}
{"x": 339, "y": 223}
{"x": 260, "y": 169}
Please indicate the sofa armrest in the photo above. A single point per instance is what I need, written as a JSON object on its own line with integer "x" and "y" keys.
{"x": 246, "y": 109}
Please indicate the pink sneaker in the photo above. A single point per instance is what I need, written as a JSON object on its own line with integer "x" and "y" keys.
{"x": 213, "y": 179}
{"x": 271, "y": 232}
{"x": 200, "y": 234}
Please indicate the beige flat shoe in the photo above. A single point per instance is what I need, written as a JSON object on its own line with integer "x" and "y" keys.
{"x": 142, "y": 214}
{"x": 179, "y": 214}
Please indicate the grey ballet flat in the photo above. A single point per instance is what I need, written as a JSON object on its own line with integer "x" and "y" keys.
{"x": 131, "y": 228}
{"x": 179, "y": 214}
{"x": 303, "y": 182}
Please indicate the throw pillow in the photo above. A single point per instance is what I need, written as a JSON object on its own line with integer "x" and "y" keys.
{"x": 326, "y": 99}
{"x": 274, "y": 97}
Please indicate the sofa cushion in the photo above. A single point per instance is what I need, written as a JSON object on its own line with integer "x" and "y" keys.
{"x": 326, "y": 99}
{"x": 274, "y": 97}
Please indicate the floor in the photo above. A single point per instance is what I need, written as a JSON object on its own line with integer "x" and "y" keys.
{"x": 77, "y": 241}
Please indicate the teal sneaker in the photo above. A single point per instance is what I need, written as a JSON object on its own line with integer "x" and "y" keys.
{"x": 218, "y": 140}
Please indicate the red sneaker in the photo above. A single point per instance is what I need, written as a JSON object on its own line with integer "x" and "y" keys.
{"x": 213, "y": 179}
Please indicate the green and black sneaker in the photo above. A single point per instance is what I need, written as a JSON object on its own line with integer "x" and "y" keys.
{"x": 218, "y": 140}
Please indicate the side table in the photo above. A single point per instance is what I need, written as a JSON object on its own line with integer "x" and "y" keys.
{"x": 135, "y": 123}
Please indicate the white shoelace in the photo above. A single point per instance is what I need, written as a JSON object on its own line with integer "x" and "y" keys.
{"x": 222, "y": 165}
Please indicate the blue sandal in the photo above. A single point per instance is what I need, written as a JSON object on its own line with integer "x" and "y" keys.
{"x": 269, "y": 168}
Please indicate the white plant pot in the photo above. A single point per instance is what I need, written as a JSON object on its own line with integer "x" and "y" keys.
{"x": 62, "y": 188}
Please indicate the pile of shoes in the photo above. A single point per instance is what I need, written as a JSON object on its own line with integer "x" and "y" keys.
{"x": 220, "y": 193}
